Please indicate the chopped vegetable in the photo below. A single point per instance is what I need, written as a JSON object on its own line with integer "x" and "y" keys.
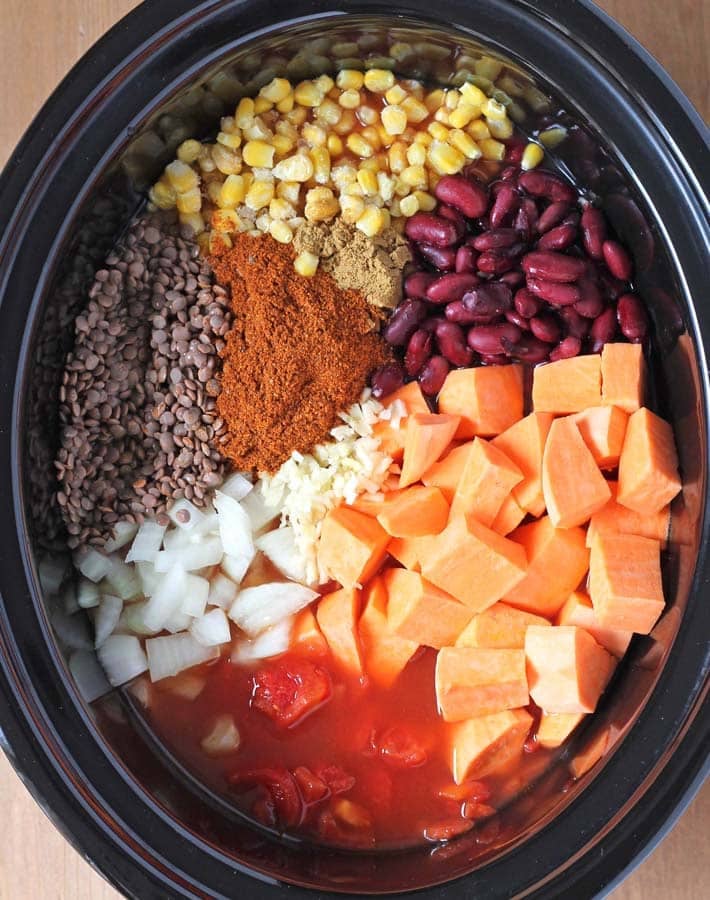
{"x": 174, "y": 653}
{"x": 258, "y": 608}
{"x": 122, "y": 658}
{"x": 488, "y": 399}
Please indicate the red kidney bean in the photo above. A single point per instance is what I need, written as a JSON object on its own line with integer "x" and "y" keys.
{"x": 452, "y": 343}
{"x": 603, "y": 329}
{"x": 612, "y": 287}
{"x": 526, "y": 219}
{"x": 453, "y": 215}
{"x": 495, "y": 238}
{"x": 490, "y": 299}
{"x": 487, "y": 339}
{"x": 429, "y": 324}
{"x": 617, "y": 260}
{"x": 443, "y": 258}
{"x": 590, "y": 307}
{"x": 559, "y": 238}
{"x": 466, "y": 258}
{"x": 427, "y": 228}
{"x": 504, "y": 207}
{"x": 457, "y": 312}
{"x": 514, "y": 154}
{"x": 514, "y": 317}
{"x": 451, "y": 287}
{"x": 555, "y": 293}
{"x": 544, "y": 184}
{"x": 527, "y": 304}
{"x": 492, "y": 263}
{"x": 416, "y": 284}
{"x": 527, "y": 349}
{"x": 404, "y": 321}
{"x": 419, "y": 349}
{"x": 386, "y": 380}
{"x": 551, "y": 266}
{"x": 546, "y": 328}
{"x": 593, "y": 232}
{"x": 433, "y": 375}
{"x": 566, "y": 349}
{"x": 552, "y": 216}
{"x": 494, "y": 359}
{"x": 632, "y": 317}
{"x": 464, "y": 194}
{"x": 577, "y": 326}
{"x": 512, "y": 279}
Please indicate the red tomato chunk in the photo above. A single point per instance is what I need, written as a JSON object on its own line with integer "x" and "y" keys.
{"x": 288, "y": 693}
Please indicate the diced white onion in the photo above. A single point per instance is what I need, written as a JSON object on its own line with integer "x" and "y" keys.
{"x": 208, "y": 525}
{"x": 223, "y": 591}
{"x": 191, "y": 557}
{"x": 174, "y": 653}
{"x": 123, "y": 658}
{"x": 259, "y": 511}
{"x": 176, "y": 538}
{"x": 93, "y": 565}
{"x": 194, "y": 600}
{"x": 235, "y": 567}
{"x": 132, "y": 620}
{"x": 88, "y": 675}
{"x": 212, "y": 629}
{"x": 150, "y": 579}
{"x": 223, "y": 738}
{"x": 123, "y": 533}
{"x": 123, "y": 580}
{"x": 177, "y": 513}
{"x": 70, "y": 601}
{"x": 237, "y": 486}
{"x": 272, "y": 642}
{"x": 51, "y": 572}
{"x": 147, "y": 542}
{"x": 234, "y": 527}
{"x": 72, "y": 631}
{"x": 187, "y": 685}
{"x": 280, "y": 546}
{"x": 87, "y": 594}
{"x": 179, "y": 621}
{"x": 107, "y": 615}
{"x": 258, "y": 608}
{"x": 165, "y": 600}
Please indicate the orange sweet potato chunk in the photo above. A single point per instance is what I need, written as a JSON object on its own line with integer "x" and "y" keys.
{"x": 554, "y": 728}
{"x": 567, "y": 669}
{"x": 426, "y": 438}
{"x": 306, "y": 636}
{"x": 567, "y": 385}
{"x": 416, "y": 511}
{"x": 392, "y": 439}
{"x": 623, "y": 376}
{"x": 337, "y": 616}
{"x": 405, "y": 551}
{"x": 510, "y": 515}
{"x": 487, "y": 478}
{"x": 573, "y": 487}
{"x": 418, "y": 611}
{"x": 578, "y": 610}
{"x": 446, "y": 473}
{"x": 617, "y": 519}
{"x": 500, "y": 627}
{"x": 590, "y": 754}
{"x": 386, "y": 653}
{"x": 648, "y": 468}
{"x": 524, "y": 443}
{"x": 625, "y": 583}
{"x": 486, "y": 744}
{"x": 352, "y": 546}
{"x": 558, "y": 560}
{"x": 472, "y": 681}
{"x": 487, "y": 398}
{"x": 603, "y": 429}
{"x": 472, "y": 562}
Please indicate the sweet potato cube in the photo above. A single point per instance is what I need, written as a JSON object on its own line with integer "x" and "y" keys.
{"x": 573, "y": 487}
{"x": 578, "y": 610}
{"x": 487, "y": 398}
{"x": 623, "y": 376}
{"x": 567, "y": 385}
{"x": 446, "y": 473}
{"x": 648, "y": 468}
{"x": 407, "y": 400}
{"x": 590, "y": 754}
{"x": 306, "y": 636}
{"x": 558, "y": 560}
{"x": 613, "y": 518}
{"x": 524, "y": 443}
{"x": 373, "y": 504}
{"x": 487, "y": 479}
{"x": 603, "y": 429}
{"x": 510, "y": 515}
{"x": 485, "y": 744}
{"x": 473, "y": 681}
{"x": 416, "y": 511}
{"x": 472, "y": 562}
{"x": 386, "y": 653}
{"x": 567, "y": 669}
{"x": 625, "y": 582}
{"x": 554, "y": 728}
{"x": 405, "y": 551}
{"x": 351, "y": 546}
{"x": 500, "y": 627}
{"x": 418, "y": 611}
{"x": 337, "y": 616}
{"x": 427, "y": 436}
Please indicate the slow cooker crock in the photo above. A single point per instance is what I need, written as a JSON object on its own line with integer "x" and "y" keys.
{"x": 65, "y": 196}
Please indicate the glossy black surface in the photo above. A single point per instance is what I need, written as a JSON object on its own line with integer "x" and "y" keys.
{"x": 64, "y": 198}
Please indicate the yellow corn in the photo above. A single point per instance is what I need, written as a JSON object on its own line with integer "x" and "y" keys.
{"x": 228, "y": 124}
{"x": 259, "y": 195}
{"x": 423, "y": 138}
{"x": 353, "y": 189}
{"x": 463, "y": 114}
{"x": 225, "y": 220}
{"x": 282, "y": 144}
{"x": 189, "y": 201}
{"x": 379, "y": 80}
{"x": 276, "y": 90}
{"x": 386, "y": 139}
{"x": 307, "y": 93}
{"x": 478, "y": 130}
{"x": 395, "y": 95}
{"x": 351, "y": 208}
{"x": 357, "y": 144}
{"x": 533, "y": 155}
{"x": 193, "y": 220}
{"x": 229, "y": 140}
{"x": 214, "y": 189}
{"x": 349, "y": 99}
{"x": 258, "y": 154}
{"x": 372, "y": 136}
{"x": 229, "y": 162}
{"x": 445, "y": 159}
{"x": 288, "y": 190}
{"x": 416, "y": 155}
{"x": 452, "y": 99}
{"x": 257, "y": 131}
{"x": 409, "y": 205}
{"x": 367, "y": 115}
{"x": 401, "y": 50}
{"x": 245, "y": 112}
{"x": 262, "y": 105}
{"x": 297, "y": 116}
{"x": 415, "y": 110}
{"x": 371, "y": 222}
{"x": 294, "y": 168}
{"x": 492, "y": 109}
{"x": 232, "y": 192}
{"x": 491, "y": 149}
{"x": 281, "y": 232}
{"x": 397, "y": 157}
{"x": 367, "y": 181}
{"x": 438, "y": 131}
{"x": 162, "y": 195}
{"x": 442, "y": 115}
{"x": 552, "y": 136}
{"x": 334, "y": 145}
{"x": 321, "y": 204}
{"x": 181, "y": 177}
{"x": 415, "y": 176}
{"x": 500, "y": 128}
{"x": 188, "y": 151}
{"x": 316, "y": 135}
{"x": 205, "y": 160}
{"x": 329, "y": 112}
{"x": 427, "y": 202}
{"x": 350, "y": 79}
{"x": 472, "y": 94}
{"x": 385, "y": 186}
{"x": 287, "y": 104}
{"x": 465, "y": 143}
{"x": 320, "y": 157}
{"x": 346, "y": 124}
{"x": 281, "y": 209}
{"x": 434, "y": 99}
{"x": 324, "y": 83}
{"x": 306, "y": 264}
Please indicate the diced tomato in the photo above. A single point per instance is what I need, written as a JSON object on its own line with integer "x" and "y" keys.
{"x": 336, "y": 778}
{"x": 313, "y": 789}
{"x": 469, "y": 790}
{"x": 474, "y": 810}
{"x": 289, "y": 690}
{"x": 281, "y": 787}
{"x": 400, "y": 748}
{"x": 332, "y": 831}
{"x": 444, "y": 831}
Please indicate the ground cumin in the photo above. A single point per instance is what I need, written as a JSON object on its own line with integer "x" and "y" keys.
{"x": 299, "y": 351}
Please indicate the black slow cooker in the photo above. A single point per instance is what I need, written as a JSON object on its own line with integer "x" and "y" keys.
{"x": 165, "y": 72}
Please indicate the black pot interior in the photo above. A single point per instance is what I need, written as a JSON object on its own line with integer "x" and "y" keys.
{"x": 610, "y": 166}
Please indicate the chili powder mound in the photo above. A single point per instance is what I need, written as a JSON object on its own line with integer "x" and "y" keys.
{"x": 299, "y": 351}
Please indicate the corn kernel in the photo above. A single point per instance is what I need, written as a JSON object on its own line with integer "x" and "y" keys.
{"x": 379, "y": 80}
{"x": 334, "y": 145}
{"x": 306, "y": 264}
{"x": 245, "y": 112}
{"x": 282, "y": 144}
{"x": 289, "y": 191}
{"x": 385, "y": 186}
{"x": 205, "y": 160}
{"x": 401, "y": 50}
{"x": 463, "y": 114}
{"x": 372, "y": 136}
{"x": 321, "y": 164}
{"x": 227, "y": 161}
{"x": 409, "y": 205}
{"x": 427, "y": 202}
{"x": 214, "y": 189}
{"x": 231, "y": 192}
{"x": 395, "y": 95}
{"x": 181, "y": 177}
{"x": 367, "y": 115}
{"x": 386, "y": 139}
{"x": 394, "y": 208}
{"x": 472, "y": 94}
{"x": 193, "y": 220}
{"x": 423, "y": 138}
{"x": 353, "y": 189}
{"x": 294, "y": 168}
{"x": 452, "y": 99}
{"x": 371, "y": 222}
{"x": 281, "y": 209}
{"x": 415, "y": 176}
{"x": 257, "y": 130}
{"x": 189, "y": 201}
{"x": 367, "y": 180}
{"x": 346, "y": 124}
{"x": 262, "y": 105}
{"x": 416, "y": 155}
{"x": 478, "y": 130}
{"x": 351, "y": 208}
{"x": 281, "y": 232}
{"x": 232, "y": 141}
{"x": 442, "y": 115}
{"x": 465, "y": 143}
{"x": 350, "y": 79}
{"x": 188, "y": 151}
{"x": 163, "y": 195}
{"x": 276, "y": 90}
{"x": 321, "y": 204}
{"x": 297, "y": 116}
{"x": 552, "y": 136}
{"x": 397, "y": 157}
{"x": 343, "y": 174}
{"x": 491, "y": 149}
{"x": 437, "y": 131}
{"x": 329, "y": 112}
{"x": 533, "y": 155}
{"x": 349, "y": 99}
{"x": 357, "y": 144}
{"x": 225, "y": 220}
{"x": 434, "y": 99}
{"x": 287, "y": 104}
{"x": 258, "y": 153}
{"x": 501, "y": 129}
{"x": 394, "y": 119}
{"x": 401, "y": 188}
{"x": 445, "y": 159}
{"x": 492, "y": 109}
{"x": 307, "y": 93}
{"x": 315, "y": 135}
{"x": 415, "y": 110}
{"x": 324, "y": 83}
{"x": 259, "y": 195}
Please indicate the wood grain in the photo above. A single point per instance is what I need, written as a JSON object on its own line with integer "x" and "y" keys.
{"x": 39, "y": 41}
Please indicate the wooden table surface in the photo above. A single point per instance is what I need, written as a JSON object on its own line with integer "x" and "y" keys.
{"x": 39, "y": 41}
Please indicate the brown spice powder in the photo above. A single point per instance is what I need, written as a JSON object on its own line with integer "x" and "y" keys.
{"x": 299, "y": 351}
